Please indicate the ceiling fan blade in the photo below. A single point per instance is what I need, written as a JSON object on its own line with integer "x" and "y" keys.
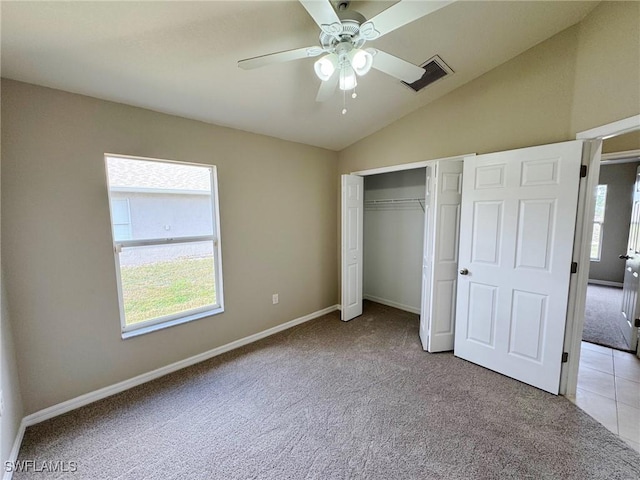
{"x": 403, "y": 12}
{"x": 279, "y": 57}
{"x": 324, "y": 15}
{"x": 328, "y": 87}
{"x": 394, "y": 66}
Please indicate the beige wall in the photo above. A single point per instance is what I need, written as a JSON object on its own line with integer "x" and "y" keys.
{"x": 278, "y": 221}
{"x": 607, "y": 84}
{"x": 13, "y": 408}
{"x": 585, "y": 76}
{"x": 507, "y": 107}
{"x": 622, "y": 143}
{"x": 9, "y": 381}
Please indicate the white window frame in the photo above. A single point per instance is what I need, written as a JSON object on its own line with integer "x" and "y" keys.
{"x": 601, "y": 224}
{"x": 165, "y": 321}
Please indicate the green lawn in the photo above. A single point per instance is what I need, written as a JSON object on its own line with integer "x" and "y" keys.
{"x": 164, "y": 288}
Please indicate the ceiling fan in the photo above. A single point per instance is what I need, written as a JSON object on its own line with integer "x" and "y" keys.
{"x": 343, "y": 33}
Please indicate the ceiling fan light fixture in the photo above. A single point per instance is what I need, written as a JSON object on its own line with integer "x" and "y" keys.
{"x": 361, "y": 61}
{"x": 325, "y": 67}
{"x": 348, "y": 79}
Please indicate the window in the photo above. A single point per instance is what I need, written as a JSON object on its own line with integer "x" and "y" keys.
{"x": 121, "y": 217}
{"x": 165, "y": 229}
{"x": 598, "y": 222}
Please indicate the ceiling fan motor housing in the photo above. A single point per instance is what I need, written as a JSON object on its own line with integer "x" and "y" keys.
{"x": 351, "y": 21}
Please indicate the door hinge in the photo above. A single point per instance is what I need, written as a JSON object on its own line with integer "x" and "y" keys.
{"x": 637, "y": 322}
{"x": 583, "y": 171}
{"x": 565, "y": 357}
{"x": 574, "y": 267}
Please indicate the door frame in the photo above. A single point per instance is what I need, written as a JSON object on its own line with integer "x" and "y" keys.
{"x": 398, "y": 168}
{"x": 592, "y": 155}
{"x": 408, "y": 166}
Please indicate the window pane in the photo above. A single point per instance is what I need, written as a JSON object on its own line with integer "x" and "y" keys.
{"x": 595, "y": 241}
{"x": 601, "y": 200}
{"x": 166, "y": 280}
{"x": 162, "y": 200}
{"x": 122, "y": 232}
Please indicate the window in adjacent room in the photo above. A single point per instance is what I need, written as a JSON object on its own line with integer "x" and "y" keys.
{"x": 166, "y": 239}
{"x": 598, "y": 222}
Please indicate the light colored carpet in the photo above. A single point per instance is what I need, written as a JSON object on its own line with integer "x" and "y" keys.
{"x": 601, "y": 317}
{"x": 333, "y": 400}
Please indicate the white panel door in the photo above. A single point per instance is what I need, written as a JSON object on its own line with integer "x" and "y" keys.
{"x": 630, "y": 298}
{"x": 443, "y": 256}
{"x": 352, "y": 232}
{"x": 517, "y": 227}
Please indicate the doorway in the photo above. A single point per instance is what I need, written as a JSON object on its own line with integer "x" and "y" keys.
{"x": 611, "y": 242}
{"x": 582, "y": 247}
{"x": 607, "y": 381}
{"x": 394, "y": 219}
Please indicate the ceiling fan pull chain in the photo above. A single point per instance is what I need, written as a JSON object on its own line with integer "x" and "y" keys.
{"x": 344, "y": 92}
{"x": 344, "y": 102}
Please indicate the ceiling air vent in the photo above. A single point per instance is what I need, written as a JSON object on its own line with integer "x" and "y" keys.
{"x": 434, "y": 69}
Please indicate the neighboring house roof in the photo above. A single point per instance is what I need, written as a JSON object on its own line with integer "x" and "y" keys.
{"x": 135, "y": 174}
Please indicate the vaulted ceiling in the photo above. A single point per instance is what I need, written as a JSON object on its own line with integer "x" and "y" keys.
{"x": 181, "y": 58}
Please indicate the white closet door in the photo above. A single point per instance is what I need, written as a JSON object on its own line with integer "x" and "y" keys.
{"x": 352, "y": 233}
{"x": 427, "y": 264}
{"x": 444, "y": 270}
{"x": 517, "y": 228}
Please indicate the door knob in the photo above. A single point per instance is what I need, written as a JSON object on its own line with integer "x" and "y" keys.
{"x": 624, "y": 257}
{"x": 464, "y": 271}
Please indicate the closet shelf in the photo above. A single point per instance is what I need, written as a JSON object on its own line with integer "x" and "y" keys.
{"x": 395, "y": 201}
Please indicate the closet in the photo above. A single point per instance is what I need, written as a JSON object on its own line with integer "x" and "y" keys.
{"x": 496, "y": 282}
{"x": 400, "y": 244}
{"x": 394, "y": 214}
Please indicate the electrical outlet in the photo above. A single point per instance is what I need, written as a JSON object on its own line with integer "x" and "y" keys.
{"x": 275, "y": 299}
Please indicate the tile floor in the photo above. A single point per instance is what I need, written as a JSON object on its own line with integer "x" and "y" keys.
{"x": 609, "y": 390}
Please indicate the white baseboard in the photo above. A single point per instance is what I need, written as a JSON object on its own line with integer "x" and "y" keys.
{"x": 606, "y": 283}
{"x": 391, "y": 303}
{"x": 105, "y": 392}
{"x": 13, "y": 456}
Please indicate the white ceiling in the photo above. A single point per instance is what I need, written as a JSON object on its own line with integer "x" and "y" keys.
{"x": 180, "y": 58}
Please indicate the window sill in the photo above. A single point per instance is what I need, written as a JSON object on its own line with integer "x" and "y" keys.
{"x": 170, "y": 323}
